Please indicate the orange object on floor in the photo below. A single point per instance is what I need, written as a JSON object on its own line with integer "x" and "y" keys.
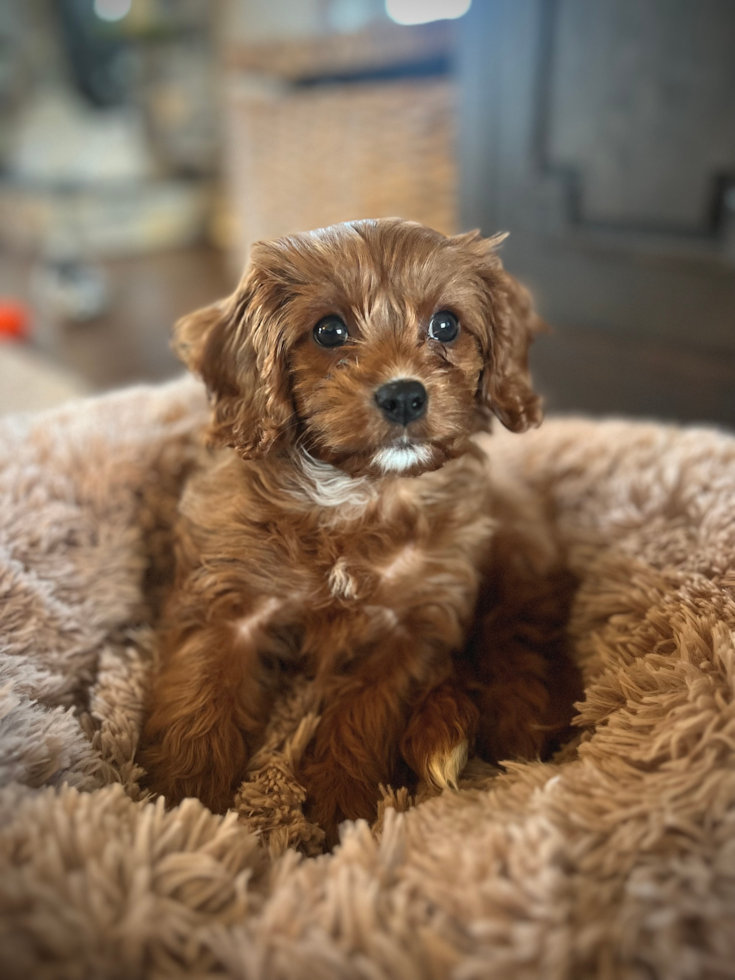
{"x": 14, "y": 319}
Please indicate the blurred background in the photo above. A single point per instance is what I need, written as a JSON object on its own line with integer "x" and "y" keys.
{"x": 145, "y": 144}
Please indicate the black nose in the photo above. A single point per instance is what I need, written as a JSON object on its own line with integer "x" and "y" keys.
{"x": 402, "y": 401}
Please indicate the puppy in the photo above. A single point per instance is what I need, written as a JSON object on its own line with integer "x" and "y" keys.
{"x": 350, "y": 532}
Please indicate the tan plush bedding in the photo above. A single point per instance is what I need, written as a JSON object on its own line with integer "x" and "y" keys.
{"x": 617, "y": 860}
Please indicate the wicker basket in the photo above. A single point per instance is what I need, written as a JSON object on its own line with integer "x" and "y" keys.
{"x": 304, "y": 157}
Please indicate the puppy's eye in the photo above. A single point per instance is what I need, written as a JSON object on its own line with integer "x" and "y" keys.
{"x": 330, "y": 332}
{"x": 444, "y": 327}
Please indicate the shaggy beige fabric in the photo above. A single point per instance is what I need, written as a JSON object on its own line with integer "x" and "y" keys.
{"x": 617, "y": 860}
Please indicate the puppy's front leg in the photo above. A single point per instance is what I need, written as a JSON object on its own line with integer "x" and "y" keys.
{"x": 357, "y": 743}
{"x": 353, "y": 751}
{"x": 208, "y": 701}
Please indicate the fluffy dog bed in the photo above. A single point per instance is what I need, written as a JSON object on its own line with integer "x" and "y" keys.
{"x": 615, "y": 860}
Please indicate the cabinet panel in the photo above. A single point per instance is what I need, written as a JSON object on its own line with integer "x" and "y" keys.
{"x": 639, "y": 111}
{"x": 602, "y": 136}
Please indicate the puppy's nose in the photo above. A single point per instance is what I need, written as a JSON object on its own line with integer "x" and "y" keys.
{"x": 402, "y": 401}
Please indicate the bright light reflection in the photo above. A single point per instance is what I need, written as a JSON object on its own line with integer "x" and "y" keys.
{"x": 112, "y": 9}
{"x": 423, "y": 11}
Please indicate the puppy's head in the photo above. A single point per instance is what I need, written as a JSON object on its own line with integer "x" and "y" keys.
{"x": 378, "y": 346}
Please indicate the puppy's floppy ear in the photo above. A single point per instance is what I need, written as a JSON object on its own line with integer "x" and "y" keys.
{"x": 510, "y": 326}
{"x": 237, "y": 348}
{"x": 505, "y": 386}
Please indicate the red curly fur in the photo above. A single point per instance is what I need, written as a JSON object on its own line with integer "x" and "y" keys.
{"x": 302, "y": 548}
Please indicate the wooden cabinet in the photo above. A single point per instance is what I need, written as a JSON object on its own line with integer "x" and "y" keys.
{"x": 601, "y": 134}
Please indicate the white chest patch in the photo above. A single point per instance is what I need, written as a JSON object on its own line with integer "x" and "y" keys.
{"x": 398, "y": 459}
{"x": 327, "y": 486}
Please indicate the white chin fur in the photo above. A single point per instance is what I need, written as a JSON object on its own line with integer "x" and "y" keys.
{"x": 398, "y": 459}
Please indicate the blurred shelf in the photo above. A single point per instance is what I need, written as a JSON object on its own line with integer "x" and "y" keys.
{"x": 337, "y": 56}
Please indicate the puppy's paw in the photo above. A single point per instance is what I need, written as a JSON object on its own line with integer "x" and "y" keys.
{"x": 443, "y": 769}
{"x": 333, "y": 795}
{"x": 439, "y": 736}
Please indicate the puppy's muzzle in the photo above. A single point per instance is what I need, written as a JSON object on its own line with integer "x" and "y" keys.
{"x": 402, "y": 401}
